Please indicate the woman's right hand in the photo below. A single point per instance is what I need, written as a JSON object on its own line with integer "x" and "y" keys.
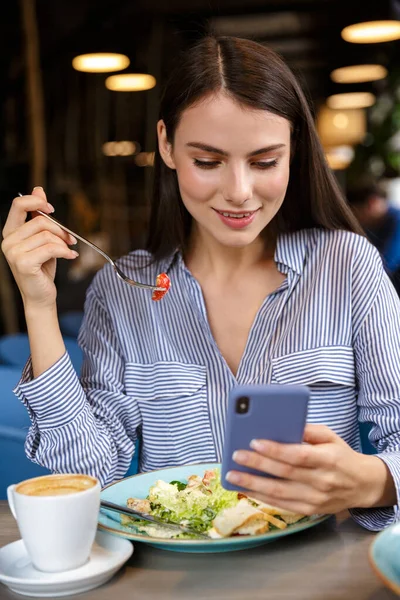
{"x": 32, "y": 247}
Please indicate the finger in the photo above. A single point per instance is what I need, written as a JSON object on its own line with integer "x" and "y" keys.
{"x": 300, "y": 455}
{"x": 33, "y": 227}
{"x": 320, "y": 434}
{"x": 257, "y": 461}
{"x": 39, "y": 192}
{"x": 277, "y": 490}
{"x": 31, "y": 262}
{"x": 35, "y": 241}
{"x": 21, "y": 206}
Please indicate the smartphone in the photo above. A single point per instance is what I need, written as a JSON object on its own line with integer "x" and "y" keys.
{"x": 267, "y": 412}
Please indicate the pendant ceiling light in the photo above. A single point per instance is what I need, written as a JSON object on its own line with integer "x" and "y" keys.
{"x": 351, "y": 100}
{"x": 121, "y": 148}
{"x": 372, "y": 32}
{"x": 339, "y": 157}
{"x": 341, "y": 127}
{"x": 372, "y": 22}
{"x": 130, "y": 82}
{"x": 359, "y": 73}
{"x": 100, "y": 62}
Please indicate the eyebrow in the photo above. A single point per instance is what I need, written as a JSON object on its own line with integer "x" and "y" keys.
{"x": 208, "y": 148}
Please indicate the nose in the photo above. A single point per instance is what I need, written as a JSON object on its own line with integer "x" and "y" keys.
{"x": 237, "y": 185}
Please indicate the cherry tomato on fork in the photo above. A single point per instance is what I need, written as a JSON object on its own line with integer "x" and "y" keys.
{"x": 162, "y": 281}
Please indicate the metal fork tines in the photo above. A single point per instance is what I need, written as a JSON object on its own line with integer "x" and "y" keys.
{"x": 118, "y": 271}
{"x": 145, "y": 517}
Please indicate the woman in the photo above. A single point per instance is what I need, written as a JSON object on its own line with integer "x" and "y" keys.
{"x": 272, "y": 282}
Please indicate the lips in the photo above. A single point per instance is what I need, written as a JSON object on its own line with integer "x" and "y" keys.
{"x": 236, "y": 220}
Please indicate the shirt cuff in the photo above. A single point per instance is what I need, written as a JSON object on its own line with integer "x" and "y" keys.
{"x": 376, "y": 519}
{"x": 54, "y": 398}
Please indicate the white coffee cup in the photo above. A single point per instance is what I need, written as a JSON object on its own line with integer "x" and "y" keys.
{"x": 57, "y": 518}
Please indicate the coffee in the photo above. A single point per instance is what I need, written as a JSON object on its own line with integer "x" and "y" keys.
{"x": 57, "y": 519}
{"x": 56, "y": 485}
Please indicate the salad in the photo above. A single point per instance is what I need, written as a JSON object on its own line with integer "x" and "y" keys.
{"x": 202, "y": 504}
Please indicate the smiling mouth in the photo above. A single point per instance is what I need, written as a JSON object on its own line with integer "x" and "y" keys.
{"x": 236, "y": 215}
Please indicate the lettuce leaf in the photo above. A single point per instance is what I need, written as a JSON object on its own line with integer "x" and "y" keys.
{"x": 194, "y": 506}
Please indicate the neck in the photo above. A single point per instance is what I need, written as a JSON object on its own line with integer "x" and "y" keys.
{"x": 206, "y": 256}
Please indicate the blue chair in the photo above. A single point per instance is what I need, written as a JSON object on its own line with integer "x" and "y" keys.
{"x": 14, "y": 424}
{"x": 14, "y": 464}
{"x": 12, "y": 412}
{"x": 14, "y": 350}
{"x": 366, "y": 445}
{"x": 70, "y": 323}
{"x": 134, "y": 466}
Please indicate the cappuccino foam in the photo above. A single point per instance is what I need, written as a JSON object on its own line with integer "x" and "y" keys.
{"x": 56, "y": 485}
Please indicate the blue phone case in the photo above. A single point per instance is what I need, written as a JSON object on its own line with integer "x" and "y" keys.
{"x": 275, "y": 412}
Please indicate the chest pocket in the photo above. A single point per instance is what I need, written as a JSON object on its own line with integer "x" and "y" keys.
{"x": 324, "y": 365}
{"x": 329, "y": 373}
{"x": 172, "y": 398}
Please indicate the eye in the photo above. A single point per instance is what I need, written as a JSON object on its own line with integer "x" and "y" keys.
{"x": 265, "y": 164}
{"x": 206, "y": 164}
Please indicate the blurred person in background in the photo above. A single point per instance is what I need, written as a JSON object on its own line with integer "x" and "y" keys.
{"x": 380, "y": 221}
{"x": 273, "y": 281}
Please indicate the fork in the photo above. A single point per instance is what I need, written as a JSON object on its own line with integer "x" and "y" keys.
{"x": 125, "y": 510}
{"x": 118, "y": 271}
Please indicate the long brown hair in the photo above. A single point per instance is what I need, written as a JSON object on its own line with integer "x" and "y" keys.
{"x": 255, "y": 76}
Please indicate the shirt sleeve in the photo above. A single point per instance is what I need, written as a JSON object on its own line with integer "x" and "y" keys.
{"x": 377, "y": 357}
{"x": 85, "y": 425}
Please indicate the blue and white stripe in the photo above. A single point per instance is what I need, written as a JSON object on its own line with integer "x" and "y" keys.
{"x": 153, "y": 368}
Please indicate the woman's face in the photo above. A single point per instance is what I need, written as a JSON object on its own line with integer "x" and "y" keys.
{"x": 232, "y": 165}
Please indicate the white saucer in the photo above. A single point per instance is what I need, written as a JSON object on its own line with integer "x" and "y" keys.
{"x": 17, "y": 572}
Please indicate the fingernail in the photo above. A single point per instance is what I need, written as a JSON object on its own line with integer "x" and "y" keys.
{"x": 50, "y": 207}
{"x": 233, "y": 477}
{"x": 238, "y": 456}
{"x": 74, "y": 253}
{"x": 257, "y": 445}
{"x": 74, "y": 240}
{"x": 38, "y": 187}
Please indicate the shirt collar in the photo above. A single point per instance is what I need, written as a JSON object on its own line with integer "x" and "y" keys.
{"x": 290, "y": 252}
{"x": 291, "y": 249}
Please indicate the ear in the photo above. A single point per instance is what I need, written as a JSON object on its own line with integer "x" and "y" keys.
{"x": 164, "y": 146}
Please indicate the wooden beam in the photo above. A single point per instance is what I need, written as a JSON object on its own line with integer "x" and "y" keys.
{"x": 34, "y": 90}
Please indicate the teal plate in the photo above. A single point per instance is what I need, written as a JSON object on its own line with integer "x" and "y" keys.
{"x": 384, "y": 556}
{"x": 138, "y": 486}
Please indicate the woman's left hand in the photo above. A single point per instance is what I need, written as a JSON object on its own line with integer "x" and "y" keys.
{"x": 323, "y": 476}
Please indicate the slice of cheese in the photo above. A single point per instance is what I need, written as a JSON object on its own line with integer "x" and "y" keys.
{"x": 254, "y": 524}
{"x": 230, "y": 520}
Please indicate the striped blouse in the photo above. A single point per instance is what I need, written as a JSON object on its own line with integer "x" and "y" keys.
{"x": 153, "y": 369}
